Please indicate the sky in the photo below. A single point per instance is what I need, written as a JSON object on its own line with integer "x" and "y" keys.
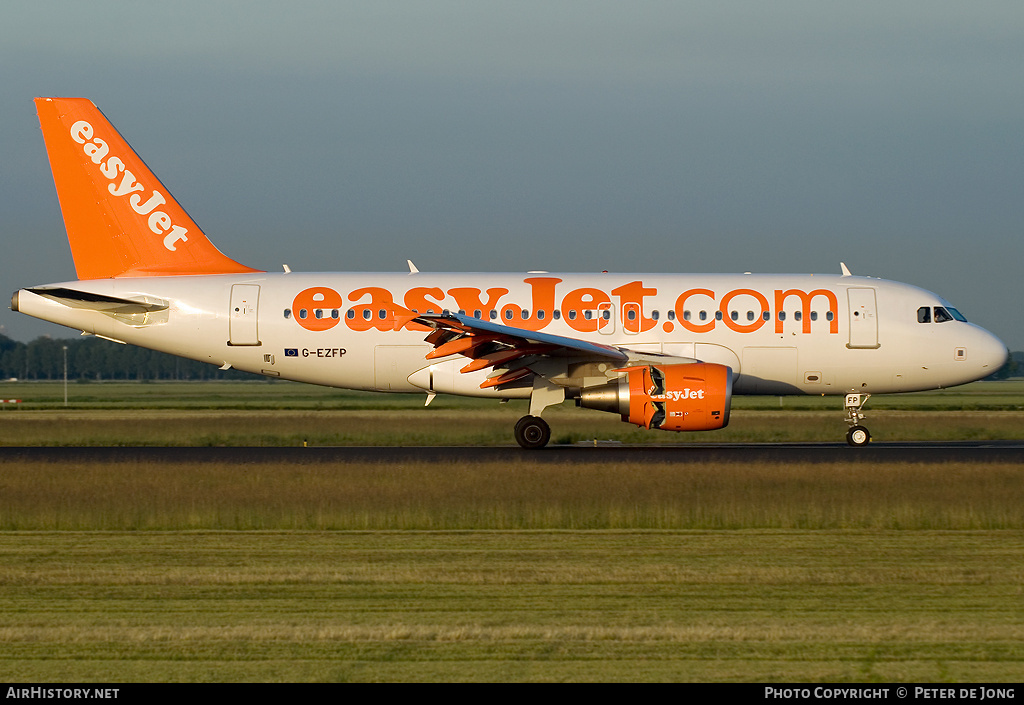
{"x": 561, "y": 136}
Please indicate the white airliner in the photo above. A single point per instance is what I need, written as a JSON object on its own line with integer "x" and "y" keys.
{"x": 663, "y": 351}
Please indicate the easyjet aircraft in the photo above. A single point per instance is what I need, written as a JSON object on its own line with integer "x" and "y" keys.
{"x": 663, "y": 351}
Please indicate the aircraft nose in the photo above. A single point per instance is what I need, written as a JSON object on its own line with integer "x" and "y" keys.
{"x": 992, "y": 353}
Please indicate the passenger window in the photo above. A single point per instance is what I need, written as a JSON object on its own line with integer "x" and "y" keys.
{"x": 556, "y": 314}
{"x": 631, "y": 314}
{"x": 814, "y": 315}
{"x": 508, "y": 314}
{"x": 334, "y": 313}
{"x": 493, "y": 315}
{"x": 735, "y": 315}
{"x": 686, "y": 315}
{"x": 829, "y": 316}
{"x": 540, "y": 314}
{"x": 606, "y": 315}
{"x": 572, "y": 314}
{"x": 382, "y": 314}
{"x": 750, "y": 315}
{"x": 718, "y": 315}
{"x": 350, "y": 314}
{"x": 654, "y": 315}
{"x": 366, "y": 314}
{"x": 302, "y": 313}
{"x": 588, "y": 314}
{"x": 525, "y": 314}
{"x": 672, "y": 315}
{"x": 287, "y": 313}
{"x": 782, "y": 315}
{"x": 797, "y": 315}
{"x": 477, "y": 313}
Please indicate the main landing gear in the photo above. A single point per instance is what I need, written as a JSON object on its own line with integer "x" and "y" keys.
{"x": 532, "y": 432}
{"x": 857, "y": 435}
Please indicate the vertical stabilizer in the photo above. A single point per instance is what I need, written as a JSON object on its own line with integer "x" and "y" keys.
{"x": 121, "y": 221}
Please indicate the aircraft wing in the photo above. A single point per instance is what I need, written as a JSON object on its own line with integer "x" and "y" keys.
{"x": 505, "y": 348}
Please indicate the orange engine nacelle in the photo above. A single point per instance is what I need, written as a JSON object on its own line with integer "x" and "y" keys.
{"x": 687, "y": 397}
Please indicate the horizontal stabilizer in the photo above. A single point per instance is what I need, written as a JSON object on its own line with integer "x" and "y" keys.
{"x": 98, "y": 302}
{"x": 138, "y": 312}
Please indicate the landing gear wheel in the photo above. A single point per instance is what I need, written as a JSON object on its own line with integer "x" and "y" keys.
{"x": 858, "y": 436}
{"x": 532, "y": 432}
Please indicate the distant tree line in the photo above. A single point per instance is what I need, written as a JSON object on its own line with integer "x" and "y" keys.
{"x": 1014, "y": 367}
{"x": 91, "y": 358}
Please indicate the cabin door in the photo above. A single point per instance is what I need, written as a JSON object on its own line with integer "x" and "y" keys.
{"x": 242, "y": 316}
{"x": 863, "y": 318}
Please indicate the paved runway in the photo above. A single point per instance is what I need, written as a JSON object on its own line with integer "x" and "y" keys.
{"x": 926, "y": 452}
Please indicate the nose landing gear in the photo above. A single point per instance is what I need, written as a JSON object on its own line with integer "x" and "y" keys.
{"x": 857, "y": 435}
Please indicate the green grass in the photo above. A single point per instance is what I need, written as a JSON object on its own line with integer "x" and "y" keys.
{"x": 505, "y": 571}
{"x": 513, "y": 494}
{"x": 755, "y": 605}
{"x": 276, "y": 394}
{"x": 290, "y": 414}
{"x": 490, "y": 426}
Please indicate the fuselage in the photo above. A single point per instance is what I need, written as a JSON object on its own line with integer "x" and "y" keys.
{"x": 780, "y": 334}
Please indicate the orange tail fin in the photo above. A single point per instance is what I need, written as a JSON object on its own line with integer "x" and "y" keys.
{"x": 120, "y": 219}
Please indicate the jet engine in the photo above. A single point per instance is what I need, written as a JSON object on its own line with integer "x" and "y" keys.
{"x": 685, "y": 397}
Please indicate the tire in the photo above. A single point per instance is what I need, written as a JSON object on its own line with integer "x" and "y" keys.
{"x": 858, "y": 436}
{"x": 532, "y": 432}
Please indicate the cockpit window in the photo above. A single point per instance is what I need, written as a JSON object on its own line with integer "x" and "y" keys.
{"x": 942, "y": 314}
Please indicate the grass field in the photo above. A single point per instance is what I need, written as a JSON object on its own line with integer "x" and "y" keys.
{"x": 482, "y": 427}
{"x": 527, "y": 605}
{"x": 1006, "y": 395}
{"x": 508, "y": 495}
{"x": 496, "y": 571}
{"x": 500, "y": 571}
{"x": 288, "y": 414}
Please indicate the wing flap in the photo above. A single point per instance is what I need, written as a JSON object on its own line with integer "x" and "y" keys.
{"x": 504, "y": 348}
